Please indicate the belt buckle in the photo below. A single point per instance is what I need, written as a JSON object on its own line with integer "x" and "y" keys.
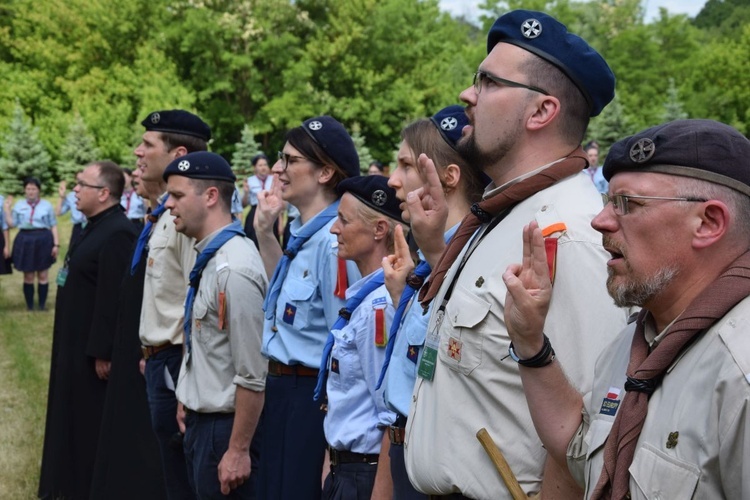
{"x": 334, "y": 456}
{"x": 392, "y": 433}
{"x": 146, "y": 351}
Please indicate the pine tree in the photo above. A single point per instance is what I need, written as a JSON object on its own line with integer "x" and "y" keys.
{"x": 23, "y": 155}
{"x": 244, "y": 152}
{"x": 365, "y": 157}
{"x": 673, "y": 109}
{"x": 609, "y": 127}
{"x": 78, "y": 150}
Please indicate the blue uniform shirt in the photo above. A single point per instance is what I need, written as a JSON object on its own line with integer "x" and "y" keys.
{"x": 307, "y": 308}
{"x": 134, "y": 206}
{"x": 3, "y": 222}
{"x": 69, "y": 205}
{"x": 41, "y": 216}
{"x": 356, "y": 411}
{"x": 236, "y": 201}
{"x": 401, "y": 375}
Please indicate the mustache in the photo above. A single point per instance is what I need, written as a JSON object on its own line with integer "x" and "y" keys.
{"x": 610, "y": 244}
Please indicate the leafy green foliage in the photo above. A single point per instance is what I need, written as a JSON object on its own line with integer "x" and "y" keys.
{"x": 23, "y": 155}
{"x": 78, "y": 150}
{"x": 244, "y": 152}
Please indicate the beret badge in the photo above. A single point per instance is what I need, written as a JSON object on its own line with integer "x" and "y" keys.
{"x": 155, "y": 117}
{"x": 531, "y": 28}
{"x": 642, "y": 150}
{"x": 315, "y": 125}
{"x": 183, "y": 165}
{"x": 379, "y": 197}
{"x": 449, "y": 123}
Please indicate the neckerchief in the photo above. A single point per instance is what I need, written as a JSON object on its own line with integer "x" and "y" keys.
{"x": 375, "y": 281}
{"x": 145, "y": 233}
{"x": 226, "y": 234}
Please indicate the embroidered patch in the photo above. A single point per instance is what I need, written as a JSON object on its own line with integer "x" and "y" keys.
{"x": 611, "y": 402}
{"x": 412, "y": 353}
{"x": 454, "y": 348}
{"x": 334, "y": 365}
{"x": 289, "y": 312}
{"x": 379, "y": 301}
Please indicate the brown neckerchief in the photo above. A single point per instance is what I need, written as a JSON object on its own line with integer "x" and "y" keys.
{"x": 645, "y": 371}
{"x": 486, "y": 210}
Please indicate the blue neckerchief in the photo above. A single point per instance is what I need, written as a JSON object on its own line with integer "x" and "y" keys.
{"x": 295, "y": 243}
{"x": 422, "y": 271}
{"x": 375, "y": 282}
{"x": 143, "y": 238}
{"x": 226, "y": 234}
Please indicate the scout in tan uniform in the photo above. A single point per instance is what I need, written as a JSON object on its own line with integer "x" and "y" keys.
{"x": 669, "y": 413}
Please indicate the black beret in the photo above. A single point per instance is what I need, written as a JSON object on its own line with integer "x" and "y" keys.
{"x": 373, "y": 191}
{"x": 330, "y": 135}
{"x": 177, "y": 121}
{"x": 201, "y": 165}
{"x": 450, "y": 122}
{"x": 702, "y": 149}
{"x": 549, "y": 39}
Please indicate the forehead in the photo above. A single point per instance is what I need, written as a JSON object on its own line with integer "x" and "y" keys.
{"x": 642, "y": 182}
{"x": 291, "y": 150}
{"x": 348, "y": 204}
{"x": 153, "y": 138}
{"x": 178, "y": 183}
{"x": 504, "y": 56}
{"x": 90, "y": 171}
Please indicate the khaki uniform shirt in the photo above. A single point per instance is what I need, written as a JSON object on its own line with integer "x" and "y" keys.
{"x": 221, "y": 358}
{"x": 170, "y": 258}
{"x": 696, "y": 436}
{"x": 476, "y": 384}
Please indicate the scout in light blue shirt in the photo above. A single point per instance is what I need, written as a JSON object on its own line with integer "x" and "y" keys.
{"x": 306, "y": 307}
{"x": 40, "y": 215}
{"x": 356, "y": 411}
{"x": 401, "y": 375}
{"x": 69, "y": 205}
{"x": 3, "y": 222}
{"x": 135, "y": 207}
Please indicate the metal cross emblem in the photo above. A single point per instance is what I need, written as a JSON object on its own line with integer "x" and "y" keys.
{"x": 315, "y": 125}
{"x": 183, "y": 165}
{"x": 531, "y": 28}
{"x": 449, "y": 123}
{"x": 379, "y": 197}
{"x": 155, "y": 117}
{"x": 642, "y": 151}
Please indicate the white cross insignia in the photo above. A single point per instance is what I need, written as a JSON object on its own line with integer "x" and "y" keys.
{"x": 531, "y": 28}
{"x": 155, "y": 118}
{"x": 642, "y": 151}
{"x": 183, "y": 165}
{"x": 449, "y": 123}
{"x": 315, "y": 125}
{"x": 379, "y": 197}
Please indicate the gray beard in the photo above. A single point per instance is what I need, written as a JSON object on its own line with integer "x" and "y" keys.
{"x": 637, "y": 293}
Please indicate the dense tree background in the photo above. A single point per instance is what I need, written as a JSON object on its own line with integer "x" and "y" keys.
{"x": 99, "y": 66}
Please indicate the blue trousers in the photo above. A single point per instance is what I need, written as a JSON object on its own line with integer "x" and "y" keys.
{"x": 350, "y": 482}
{"x": 163, "y": 404}
{"x": 402, "y": 487}
{"x": 206, "y": 440}
{"x": 292, "y": 442}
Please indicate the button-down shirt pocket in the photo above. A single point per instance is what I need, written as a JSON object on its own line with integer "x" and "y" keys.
{"x": 659, "y": 476}
{"x": 461, "y": 342}
{"x": 156, "y": 258}
{"x": 298, "y": 294}
{"x": 201, "y": 331}
{"x": 346, "y": 357}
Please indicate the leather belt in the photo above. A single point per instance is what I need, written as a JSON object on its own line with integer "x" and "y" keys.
{"x": 348, "y": 457}
{"x": 397, "y": 431}
{"x": 149, "y": 350}
{"x": 277, "y": 369}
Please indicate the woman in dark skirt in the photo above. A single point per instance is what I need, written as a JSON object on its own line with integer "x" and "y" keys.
{"x": 5, "y": 266}
{"x": 37, "y": 243}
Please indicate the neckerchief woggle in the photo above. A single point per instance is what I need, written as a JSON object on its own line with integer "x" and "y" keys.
{"x": 226, "y": 234}
{"x": 376, "y": 281}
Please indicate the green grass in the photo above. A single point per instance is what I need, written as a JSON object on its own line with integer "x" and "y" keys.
{"x": 25, "y": 347}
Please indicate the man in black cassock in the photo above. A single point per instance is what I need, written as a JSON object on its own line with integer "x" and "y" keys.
{"x": 85, "y": 317}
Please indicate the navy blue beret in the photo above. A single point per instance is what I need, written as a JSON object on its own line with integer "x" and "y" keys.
{"x": 373, "y": 191}
{"x": 450, "y": 122}
{"x": 702, "y": 149}
{"x": 549, "y": 39}
{"x": 330, "y": 135}
{"x": 201, "y": 165}
{"x": 177, "y": 121}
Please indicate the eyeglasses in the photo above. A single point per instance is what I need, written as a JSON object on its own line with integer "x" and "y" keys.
{"x": 480, "y": 77}
{"x": 87, "y": 185}
{"x": 285, "y": 158}
{"x": 621, "y": 202}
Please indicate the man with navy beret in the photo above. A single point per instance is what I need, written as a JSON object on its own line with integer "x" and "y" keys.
{"x": 668, "y": 414}
{"x": 528, "y": 108}
{"x": 223, "y": 374}
{"x": 169, "y": 134}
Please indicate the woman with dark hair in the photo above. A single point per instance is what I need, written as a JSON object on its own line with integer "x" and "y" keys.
{"x": 259, "y": 181}
{"x": 305, "y": 293}
{"x": 37, "y": 244}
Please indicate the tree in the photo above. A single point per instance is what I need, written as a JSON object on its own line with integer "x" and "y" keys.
{"x": 244, "y": 152}
{"x": 609, "y": 127}
{"x": 673, "y": 108}
{"x": 365, "y": 157}
{"x": 23, "y": 155}
{"x": 78, "y": 150}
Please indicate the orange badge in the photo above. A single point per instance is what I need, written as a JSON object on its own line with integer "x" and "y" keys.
{"x": 454, "y": 348}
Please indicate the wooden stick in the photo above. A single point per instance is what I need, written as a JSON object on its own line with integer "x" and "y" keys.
{"x": 501, "y": 465}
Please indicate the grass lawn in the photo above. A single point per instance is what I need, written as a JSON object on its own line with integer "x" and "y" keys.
{"x": 25, "y": 346}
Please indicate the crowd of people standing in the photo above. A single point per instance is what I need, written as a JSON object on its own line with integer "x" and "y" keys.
{"x": 498, "y": 293}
